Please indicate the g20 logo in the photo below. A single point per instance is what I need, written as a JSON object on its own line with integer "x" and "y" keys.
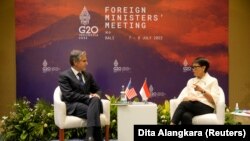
{"x": 88, "y": 29}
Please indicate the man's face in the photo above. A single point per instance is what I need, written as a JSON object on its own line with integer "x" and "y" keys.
{"x": 82, "y": 63}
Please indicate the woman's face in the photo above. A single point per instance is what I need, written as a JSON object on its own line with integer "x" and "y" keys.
{"x": 198, "y": 70}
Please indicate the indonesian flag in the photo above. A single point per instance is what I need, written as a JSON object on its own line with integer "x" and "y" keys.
{"x": 144, "y": 92}
{"x": 130, "y": 92}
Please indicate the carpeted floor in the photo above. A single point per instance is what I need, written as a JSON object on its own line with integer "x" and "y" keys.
{"x": 82, "y": 140}
{"x": 67, "y": 140}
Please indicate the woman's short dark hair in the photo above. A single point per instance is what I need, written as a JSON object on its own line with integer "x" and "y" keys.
{"x": 202, "y": 62}
{"x": 75, "y": 56}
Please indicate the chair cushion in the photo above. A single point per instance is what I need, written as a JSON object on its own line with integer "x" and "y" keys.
{"x": 75, "y": 122}
{"x": 206, "y": 119}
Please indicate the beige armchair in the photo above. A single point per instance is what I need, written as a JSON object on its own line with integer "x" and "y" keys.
{"x": 64, "y": 121}
{"x": 216, "y": 118}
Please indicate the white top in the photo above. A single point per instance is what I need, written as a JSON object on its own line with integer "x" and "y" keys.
{"x": 208, "y": 83}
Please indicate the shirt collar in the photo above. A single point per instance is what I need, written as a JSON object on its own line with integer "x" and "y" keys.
{"x": 203, "y": 79}
{"x": 75, "y": 71}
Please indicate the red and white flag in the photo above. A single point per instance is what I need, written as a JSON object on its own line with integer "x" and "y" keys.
{"x": 144, "y": 92}
{"x": 130, "y": 92}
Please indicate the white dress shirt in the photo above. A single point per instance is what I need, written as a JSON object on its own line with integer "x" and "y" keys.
{"x": 209, "y": 84}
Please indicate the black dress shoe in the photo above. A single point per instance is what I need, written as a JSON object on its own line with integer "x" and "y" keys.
{"x": 89, "y": 139}
{"x": 98, "y": 134}
{"x": 89, "y": 134}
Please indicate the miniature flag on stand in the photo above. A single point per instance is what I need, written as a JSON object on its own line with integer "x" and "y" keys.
{"x": 144, "y": 92}
{"x": 130, "y": 92}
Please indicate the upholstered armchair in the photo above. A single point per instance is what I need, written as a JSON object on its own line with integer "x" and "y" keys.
{"x": 64, "y": 121}
{"x": 216, "y": 118}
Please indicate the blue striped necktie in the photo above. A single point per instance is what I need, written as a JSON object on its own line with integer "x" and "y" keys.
{"x": 80, "y": 78}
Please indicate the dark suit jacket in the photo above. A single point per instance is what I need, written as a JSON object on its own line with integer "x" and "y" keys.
{"x": 73, "y": 91}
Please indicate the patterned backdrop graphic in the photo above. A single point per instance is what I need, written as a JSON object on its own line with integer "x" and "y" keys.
{"x": 137, "y": 39}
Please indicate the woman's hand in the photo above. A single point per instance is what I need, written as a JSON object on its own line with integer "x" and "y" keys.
{"x": 198, "y": 88}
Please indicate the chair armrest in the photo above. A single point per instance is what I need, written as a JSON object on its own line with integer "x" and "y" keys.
{"x": 220, "y": 107}
{"x": 176, "y": 101}
{"x": 106, "y": 110}
{"x": 173, "y": 105}
{"x": 220, "y": 112}
{"x": 59, "y": 112}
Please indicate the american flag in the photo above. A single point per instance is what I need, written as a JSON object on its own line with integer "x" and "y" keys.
{"x": 130, "y": 92}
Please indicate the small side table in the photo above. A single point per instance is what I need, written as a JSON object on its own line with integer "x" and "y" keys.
{"x": 242, "y": 117}
{"x": 134, "y": 113}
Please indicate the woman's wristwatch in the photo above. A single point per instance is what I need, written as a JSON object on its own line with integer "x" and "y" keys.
{"x": 203, "y": 92}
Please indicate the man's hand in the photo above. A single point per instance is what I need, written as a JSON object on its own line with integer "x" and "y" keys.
{"x": 94, "y": 95}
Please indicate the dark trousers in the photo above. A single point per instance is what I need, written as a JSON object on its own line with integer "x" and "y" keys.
{"x": 186, "y": 110}
{"x": 90, "y": 111}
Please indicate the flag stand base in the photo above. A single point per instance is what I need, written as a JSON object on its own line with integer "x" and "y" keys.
{"x": 145, "y": 101}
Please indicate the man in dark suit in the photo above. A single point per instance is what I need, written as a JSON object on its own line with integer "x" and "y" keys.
{"x": 81, "y": 94}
